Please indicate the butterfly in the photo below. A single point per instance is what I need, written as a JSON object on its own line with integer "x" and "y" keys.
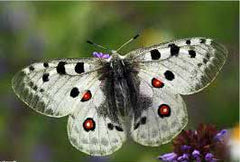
{"x": 110, "y": 97}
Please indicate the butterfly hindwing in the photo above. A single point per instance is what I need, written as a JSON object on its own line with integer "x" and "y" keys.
{"x": 187, "y": 65}
{"x": 92, "y": 131}
{"x": 54, "y": 88}
{"x": 163, "y": 119}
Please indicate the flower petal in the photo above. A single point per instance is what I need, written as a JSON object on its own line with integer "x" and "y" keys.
{"x": 96, "y": 54}
{"x": 220, "y": 136}
{"x": 185, "y": 147}
{"x": 105, "y": 56}
{"x": 195, "y": 153}
{"x": 169, "y": 157}
{"x": 100, "y": 54}
{"x": 183, "y": 157}
{"x": 209, "y": 157}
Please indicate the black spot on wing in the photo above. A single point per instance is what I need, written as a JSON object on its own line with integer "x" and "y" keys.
{"x": 35, "y": 88}
{"x": 188, "y": 42}
{"x": 79, "y": 68}
{"x": 155, "y": 54}
{"x": 143, "y": 120}
{"x": 192, "y": 53}
{"x": 208, "y": 56}
{"x": 31, "y": 68}
{"x": 110, "y": 126}
{"x": 136, "y": 126}
{"x": 61, "y": 67}
{"x": 45, "y": 64}
{"x": 205, "y": 60}
{"x": 74, "y": 92}
{"x": 169, "y": 75}
{"x": 45, "y": 77}
{"x": 119, "y": 129}
{"x": 30, "y": 84}
{"x": 174, "y": 49}
{"x": 202, "y": 40}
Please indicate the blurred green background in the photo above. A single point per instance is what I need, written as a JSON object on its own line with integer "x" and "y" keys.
{"x": 34, "y": 31}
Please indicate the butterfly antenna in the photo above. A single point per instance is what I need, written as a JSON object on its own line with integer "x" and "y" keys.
{"x": 97, "y": 45}
{"x": 129, "y": 41}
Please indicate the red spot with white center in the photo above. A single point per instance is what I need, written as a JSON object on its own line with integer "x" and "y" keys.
{"x": 86, "y": 96}
{"x": 164, "y": 110}
{"x": 89, "y": 124}
{"x": 157, "y": 83}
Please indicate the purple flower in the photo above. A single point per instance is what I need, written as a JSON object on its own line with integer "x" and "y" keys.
{"x": 184, "y": 157}
{"x": 220, "y": 136}
{"x": 198, "y": 145}
{"x": 101, "y": 55}
{"x": 209, "y": 157}
{"x": 196, "y": 155}
{"x": 185, "y": 147}
{"x": 169, "y": 157}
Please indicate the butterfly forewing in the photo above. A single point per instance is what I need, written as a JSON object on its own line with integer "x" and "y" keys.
{"x": 187, "y": 65}
{"x": 48, "y": 87}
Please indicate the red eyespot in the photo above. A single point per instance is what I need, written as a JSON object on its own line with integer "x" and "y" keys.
{"x": 164, "y": 110}
{"x": 157, "y": 83}
{"x": 89, "y": 124}
{"x": 86, "y": 96}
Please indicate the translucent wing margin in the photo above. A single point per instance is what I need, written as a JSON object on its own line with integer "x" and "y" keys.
{"x": 186, "y": 65}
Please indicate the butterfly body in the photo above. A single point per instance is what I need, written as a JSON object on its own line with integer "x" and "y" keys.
{"x": 108, "y": 98}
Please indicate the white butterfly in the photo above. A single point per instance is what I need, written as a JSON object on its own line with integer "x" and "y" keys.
{"x": 136, "y": 94}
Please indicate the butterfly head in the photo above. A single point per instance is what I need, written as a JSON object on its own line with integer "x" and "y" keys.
{"x": 114, "y": 52}
{"x": 116, "y": 56}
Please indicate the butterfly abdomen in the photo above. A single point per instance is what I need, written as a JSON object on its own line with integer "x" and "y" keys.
{"x": 120, "y": 89}
{"x": 124, "y": 85}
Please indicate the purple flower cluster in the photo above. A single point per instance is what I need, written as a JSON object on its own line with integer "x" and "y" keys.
{"x": 205, "y": 144}
{"x": 101, "y": 55}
